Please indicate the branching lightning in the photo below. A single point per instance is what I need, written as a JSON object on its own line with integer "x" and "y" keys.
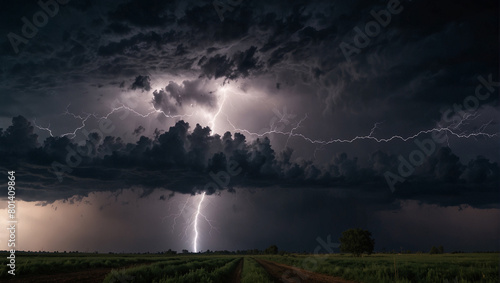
{"x": 43, "y": 128}
{"x": 86, "y": 117}
{"x": 212, "y": 122}
{"x": 179, "y": 214}
{"x": 195, "y": 240}
{"x": 453, "y": 130}
{"x": 192, "y": 213}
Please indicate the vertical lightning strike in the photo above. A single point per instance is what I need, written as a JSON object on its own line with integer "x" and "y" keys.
{"x": 212, "y": 122}
{"x": 195, "y": 241}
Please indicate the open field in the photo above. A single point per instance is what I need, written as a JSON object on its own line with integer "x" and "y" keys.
{"x": 253, "y": 272}
{"x": 466, "y": 267}
{"x": 477, "y": 267}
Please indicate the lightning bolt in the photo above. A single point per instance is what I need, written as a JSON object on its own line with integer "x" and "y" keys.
{"x": 87, "y": 116}
{"x": 176, "y": 216}
{"x": 192, "y": 214}
{"x": 452, "y": 130}
{"x": 71, "y": 134}
{"x": 153, "y": 111}
{"x": 195, "y": 240}
{"x": 43, "y": 128}
{"x": 212, "y": 122}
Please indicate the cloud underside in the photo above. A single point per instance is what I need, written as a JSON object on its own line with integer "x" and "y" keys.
{"x": 191, "y": 161}
{"x": 407, "y": 74}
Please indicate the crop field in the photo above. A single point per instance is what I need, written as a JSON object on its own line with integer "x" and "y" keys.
{"x": 401, "y": 267}
{"x": 254, "y": 268}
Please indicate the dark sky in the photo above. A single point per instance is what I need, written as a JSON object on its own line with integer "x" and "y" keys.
{"x": 297, "y": 119}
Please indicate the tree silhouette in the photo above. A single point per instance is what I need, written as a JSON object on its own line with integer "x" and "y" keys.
{"x": 357, "y": 241}
{"x": 438, "y": 250}
{"x": 433, "y": 250}
{"x": 441, "y": 249}
{"x": 272, "y": 250}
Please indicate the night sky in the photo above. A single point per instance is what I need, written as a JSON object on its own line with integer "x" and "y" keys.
{"x": 296, "y": 119}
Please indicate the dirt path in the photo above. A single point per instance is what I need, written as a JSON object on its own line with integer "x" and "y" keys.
{"x": 290, "y": 274}
{"x": 236, "y": 276}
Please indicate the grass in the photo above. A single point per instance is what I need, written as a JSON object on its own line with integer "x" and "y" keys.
{"x": 201, "y": 275}
{"x": 200, "y": 267}
{"x": 253, "y": 272}
{"x": 463, "y": 268}
{"x": 36, "y": 264}
{"x": 382, "y": 268}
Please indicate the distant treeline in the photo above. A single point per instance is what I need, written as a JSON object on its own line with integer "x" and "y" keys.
{"x": 223, "y": 252}
{"x": 270, "y": 250}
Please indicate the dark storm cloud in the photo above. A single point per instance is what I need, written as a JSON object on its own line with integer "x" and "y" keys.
{"x": 204, "y": 24}
{"x": 432, "y": 54}
{"x": 216, "y": 67}
{"x": 145, "y": 13}
{"x": 245, "y": 62}
{"x": 138, "y": 131}
{"x": 187, "y": 161}
{"x": 242, "y": 64}
{"x": 427, "y": 58}
{"x": 422, "y": 59}
{"x": 174, "y": 96}
{"x": 150, "y": 40}
{"x": 119, "y": 28}
{"x": 142, "y": 82}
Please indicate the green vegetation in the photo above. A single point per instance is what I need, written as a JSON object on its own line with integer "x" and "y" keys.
{"x": 380, "y": 268}
{"x": 186, "y": 269}
{"x": 203, "y": 274}
{"x": 424, "y": 267}
{"x": 36, "y": 264}
{"x": 253, "y": 272}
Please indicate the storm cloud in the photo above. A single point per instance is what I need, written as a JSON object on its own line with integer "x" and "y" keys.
{"x": 260, "y": 102}
{"x": 190, "y": 161}
{"x": 192, "y": 93}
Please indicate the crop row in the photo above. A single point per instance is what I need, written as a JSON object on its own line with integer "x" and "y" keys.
{"x": 400, "y": 268}
{"x": 48, "y": 265}
{"x": 253, "y": 272}
{"x": 205, "y": 275}
{"x": 178, "y": 271}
